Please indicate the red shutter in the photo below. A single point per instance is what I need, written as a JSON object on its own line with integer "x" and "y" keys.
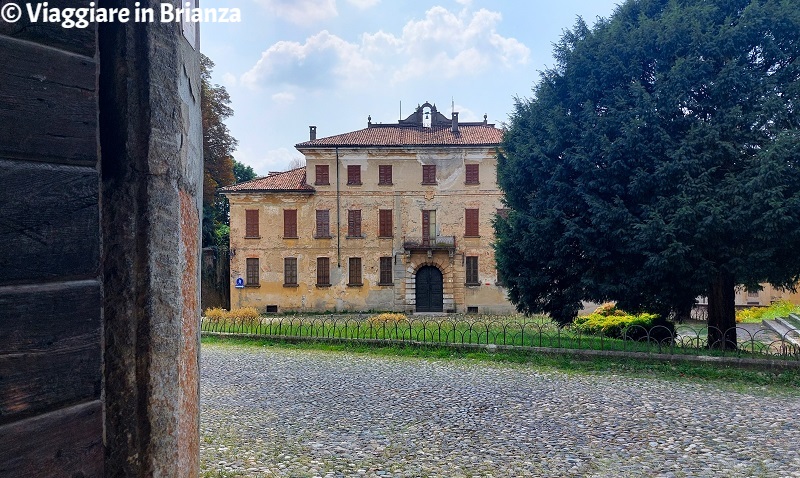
{"x": 323, "y": 223}
{"x": 251, "y": 271}
{"x": 472, "y": 270}
{"x": 471, "y": 222}
{"x": 385, "y": 174}
{"x": 386, "y": 270}
{"x": 323, "y": 271}
{"x": 426, "y": 226}
{"x": 290, "y": 223}
{"x": 354, "y": 271}
{"x": 354, "y": 174}
{"x": 385, "y": 223}
{"x": 322, "y": 176}
{"x": 251, "y": 223}
{"x": 354, "y": 223}
{"x": 429, "y": 174}
{"x": 472, "y": 174}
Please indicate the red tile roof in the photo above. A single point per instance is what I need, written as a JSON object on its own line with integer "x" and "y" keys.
{"x": 397, "y": 135}
{"x": 293, "y": 180}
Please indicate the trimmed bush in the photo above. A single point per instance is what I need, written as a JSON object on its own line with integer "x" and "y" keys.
{"x": 613, "y": 325}
{"x": 245, "y": 314}
{"x": 387, "y": 317}
{"x": 215, "y": 314}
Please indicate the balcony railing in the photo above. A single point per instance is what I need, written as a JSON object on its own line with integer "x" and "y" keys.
{"x": 427, "y": 243}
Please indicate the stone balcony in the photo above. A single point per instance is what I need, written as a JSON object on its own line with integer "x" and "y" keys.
{"x": 444, "y": 243}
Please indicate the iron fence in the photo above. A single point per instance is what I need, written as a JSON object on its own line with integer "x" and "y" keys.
{"x": 521, "y": 332}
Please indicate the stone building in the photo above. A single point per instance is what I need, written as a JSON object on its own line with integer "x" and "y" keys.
{"x": 389, "y": 217}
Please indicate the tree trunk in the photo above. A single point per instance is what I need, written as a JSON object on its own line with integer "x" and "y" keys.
{"x": 722, "y": 312}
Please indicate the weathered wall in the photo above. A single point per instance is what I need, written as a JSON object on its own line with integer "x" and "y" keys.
{"x": 151, "y": 139}
{"x": 407, "y": 197}
{"x": 50, "y": 288}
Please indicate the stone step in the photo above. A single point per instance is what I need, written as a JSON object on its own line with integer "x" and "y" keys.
{"x": 788, "y": 332}
{"x": 793, "y": 320}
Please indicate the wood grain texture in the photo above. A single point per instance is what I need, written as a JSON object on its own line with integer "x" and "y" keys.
{"x": 50, "y": 214}
{"x": 63, "y": 443}
{"x": 76, "y": 40}
{"x": 48, "y": 104}
{"x": 49, "y": 318}
{"x": 39, "y": 383}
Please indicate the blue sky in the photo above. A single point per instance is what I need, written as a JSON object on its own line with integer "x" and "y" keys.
{"x": 331, "y": 63}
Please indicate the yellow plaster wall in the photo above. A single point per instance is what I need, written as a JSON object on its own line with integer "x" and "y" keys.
{"x": 407, "y": 197}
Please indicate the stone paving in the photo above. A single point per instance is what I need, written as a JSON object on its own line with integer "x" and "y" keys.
{"x": 296, "y": 413}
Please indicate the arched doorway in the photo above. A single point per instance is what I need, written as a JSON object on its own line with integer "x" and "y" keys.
{"x": 429, "y": 290}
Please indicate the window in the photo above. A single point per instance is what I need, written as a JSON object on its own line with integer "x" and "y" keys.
{"x": 354, "y": 174}
{"x": 428, "y": 225}
{"x": 500, "y": 279}
{"x": 503, "y": 213}
{"x": 252, "y": 272}
{"x": 472, "y": 270}
{"x": 354, "y": 271}
{"x": 290, "y": 223}
{"x": 354, "y": 223}
{"x": 472, "y": 174}
{"x": 385, "y": 271}
{"x": 428, "y": 174}
{"x": 251, "y": 223}
{"x": 321, "y": 176}
{"x": 323, "y": 224}
{"x": 290, "y": 271}
{"x": 385, "y": 174}
{"x": 323, "y": 271}
{"x": 385, "y": 223}
{"x": 471, "y": 223}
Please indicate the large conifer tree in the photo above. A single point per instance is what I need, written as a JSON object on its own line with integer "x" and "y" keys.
{"x": 658, "y": 161}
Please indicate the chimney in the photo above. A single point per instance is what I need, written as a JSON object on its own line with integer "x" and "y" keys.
{"x": 454, "y": 129}
{"x": 312, "y": 132}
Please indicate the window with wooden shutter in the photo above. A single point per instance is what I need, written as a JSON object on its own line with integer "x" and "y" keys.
{"x": 251, "y": 223}
{"x": 251, "y": 275}
{"x": 385, "y": 223}
{"x": 428, "y": 174}
{"x": 322, "y": 177}
{"x": 385, "y": 174}
{"x": 471, "y": 223}
{"x": 354, "y": 174}
{"x": 323, "y": 229}
{"x": 385, "y": 271}
{"x": 323, "y": 271}
{"x": 354, "y": 223}
{"x": 472, "y": 270}
{"x": 354, "y": 271}
{"x": 290, "y": 271}
{"x": 290, "y": 223}
{"x": 472, "y": 174}
{"x": 503, "y": 213}
{"x": 428, "y": 226}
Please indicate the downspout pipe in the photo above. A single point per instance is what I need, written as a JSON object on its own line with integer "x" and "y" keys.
{"x": 338, "y": 217}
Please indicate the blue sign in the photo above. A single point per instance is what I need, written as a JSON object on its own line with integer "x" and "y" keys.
{"x": 240, "y": 283}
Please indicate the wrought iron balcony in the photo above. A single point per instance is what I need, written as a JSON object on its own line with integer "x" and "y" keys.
{"x": 446, "y": 243}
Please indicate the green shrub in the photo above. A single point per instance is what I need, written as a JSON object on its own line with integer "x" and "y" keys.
{"x": 613, "y": 325}
{"x": 781, "y": 308}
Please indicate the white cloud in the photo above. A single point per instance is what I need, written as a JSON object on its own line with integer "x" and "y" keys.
{"x": 364, "y": 4}
{"x": 449, "y": 44}
{"x": 301, "y": 12}
{"x": 229, "y": 80}
{"x": 321, "y": 61}
{"x": 284, "y": 98}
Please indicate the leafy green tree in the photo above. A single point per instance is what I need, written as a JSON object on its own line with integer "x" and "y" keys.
{"x": 242, "y": 172}
{"x": 658, "y": 161}
{"x": 218, "y": 162}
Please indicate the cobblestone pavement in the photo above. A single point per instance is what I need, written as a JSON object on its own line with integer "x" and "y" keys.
{"x": 298, "y": 413}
